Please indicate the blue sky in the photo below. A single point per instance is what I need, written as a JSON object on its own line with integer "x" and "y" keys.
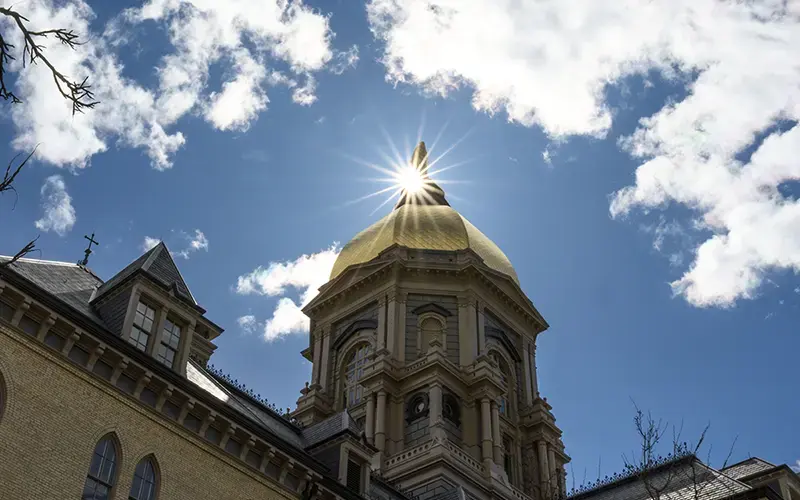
{"x": 598, "y": 211}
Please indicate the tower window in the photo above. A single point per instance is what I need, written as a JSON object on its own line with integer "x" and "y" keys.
{"x": 417, "y": 407}
{"x": 354, "y": 371}
{"x": 503, "y": 373}
{"x": 142, "y": 326}
{"x": 450, "y": 409}
{"x": 102, "y": 471}
{"x": 170, "y": 339}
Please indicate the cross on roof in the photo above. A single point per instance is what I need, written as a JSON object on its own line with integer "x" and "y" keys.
{"x": 88, "y": 250}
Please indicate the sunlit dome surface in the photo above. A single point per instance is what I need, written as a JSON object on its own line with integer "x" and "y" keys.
{"x": 424, "y": 222}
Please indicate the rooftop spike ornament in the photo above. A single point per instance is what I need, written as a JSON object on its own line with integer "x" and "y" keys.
{"x": 417, "y": 186}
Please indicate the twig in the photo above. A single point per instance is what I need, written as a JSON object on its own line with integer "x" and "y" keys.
{"x": 77, "y": 92}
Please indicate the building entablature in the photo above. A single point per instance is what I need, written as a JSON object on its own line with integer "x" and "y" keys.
{"x": 469, "y": 270}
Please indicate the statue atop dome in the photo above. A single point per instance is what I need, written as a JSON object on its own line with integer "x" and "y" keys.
{"x": 430, "y": 193}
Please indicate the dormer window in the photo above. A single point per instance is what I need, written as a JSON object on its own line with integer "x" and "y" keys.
{"x": 170, "y": 339}
{"x": 142, "y": 326}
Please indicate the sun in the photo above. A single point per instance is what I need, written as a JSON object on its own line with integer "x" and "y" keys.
{"x": 410, "y": 179}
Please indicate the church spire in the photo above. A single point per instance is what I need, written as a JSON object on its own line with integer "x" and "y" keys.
{"x": 430, "y": 193}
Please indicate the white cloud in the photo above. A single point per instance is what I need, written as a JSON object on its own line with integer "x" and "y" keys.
{"x": 549, "y": 63}
{"x": 344, "y": 60}
{"x": 149, "y": 242}
{"x": 239, "y": 35}
{"x": 187, "y": 243}
{"x": 304, "y": 275}
{"x": 59, "y": 214}
{"x": 247, "y": 323}
{"x": 796, "y": 466}
{"x": 196, "y": 242}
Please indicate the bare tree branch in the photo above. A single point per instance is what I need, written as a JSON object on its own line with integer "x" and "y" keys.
{"x": 76, "y": 91}
{"x": 30, "y": 247}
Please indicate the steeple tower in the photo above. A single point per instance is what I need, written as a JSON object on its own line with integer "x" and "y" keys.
{"x": 424, "y": 337}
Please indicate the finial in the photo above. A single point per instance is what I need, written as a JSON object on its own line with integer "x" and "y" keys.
{"x": 88, "y": 250}
{"x": 420, "y": 158}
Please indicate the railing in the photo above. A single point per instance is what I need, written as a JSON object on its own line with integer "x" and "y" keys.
{"x": 409, "y": 453}
{"x": 465, "y": 458}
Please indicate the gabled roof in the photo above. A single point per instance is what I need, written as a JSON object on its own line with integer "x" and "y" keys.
{"x": 681, "y": 478}
{"x": 748, "y": 467}
{"x": 71, "y": 283}
{"x": 157, "y": 264}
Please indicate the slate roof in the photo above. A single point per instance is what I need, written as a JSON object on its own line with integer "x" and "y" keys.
{"x": 747, "y": 467}
{"x": 683, "y": 479}
{"x": 71, "y": 283}
{"x": 330, "y": 427}
{"x": 243, "y": 405}
{"x": 157, "y": 264}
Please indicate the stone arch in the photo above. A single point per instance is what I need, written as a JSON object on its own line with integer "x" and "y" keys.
{"x": 3, "y": 396}
{"x": 350, "y": 369}
{"x": 507, "y": 374}
{"x": 104, "y": 465}
{"x": 430, "y": 325}
{"x": 146, "y": 483}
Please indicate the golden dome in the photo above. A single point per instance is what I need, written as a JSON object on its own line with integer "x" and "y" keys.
{"x": 426, "y": 223}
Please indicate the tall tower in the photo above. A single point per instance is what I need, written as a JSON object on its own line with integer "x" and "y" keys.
{"x": 424, "y": 337}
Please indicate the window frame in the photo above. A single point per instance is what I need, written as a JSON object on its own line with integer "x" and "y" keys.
{"x": 165, "y": 342}
{"x": 151, "y": 461}
{"x": 109, "y": 442}
{"x": 352, "y": 372}
{"x": 139, "y": 330}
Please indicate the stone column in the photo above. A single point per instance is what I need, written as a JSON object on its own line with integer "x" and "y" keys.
{"x": 526, "y": 375}
{"x": 185, "y": 347}
{"x": 325, "y": 359}
{"x": 369, "y": 425}
{"x": 380, "y": 421}
{"x": 381, "y": 333}
{"x": 543, "y": 467}
{"x": 481, "y": 330}
{"x": 315, "y": 366}
{"x": 551, "y": 461}
{"x": 532, "y": 361}
{"x": 496, "y": 439}
{"x": 435, "y": 414}
{"x": 157, "y": 331}
{"x": 391, "y": 319}
{"x": 486, "y": 433}
{"x": 400, "y": 331}
{"x": 466, "y": 335}
{"x": 472, "y": 325}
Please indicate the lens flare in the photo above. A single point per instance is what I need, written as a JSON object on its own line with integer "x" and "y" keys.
{"x": 410, "y": 179}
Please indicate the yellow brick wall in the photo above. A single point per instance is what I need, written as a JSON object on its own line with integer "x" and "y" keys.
{"x": 55, "y": 413}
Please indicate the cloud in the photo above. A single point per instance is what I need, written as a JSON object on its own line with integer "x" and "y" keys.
{"x": 303, "y": 275}
{"x": 244, "y": 38}
{"x": 196, "y": 242}
{"x": 247, "y": 323}
{"x": 59, "y": 214}
{"x": 149, "y": 242}
{"x": 188, "y": 243}
{"x": 344, "y": 60}
{"x": 796, "y": 466}
{"x": 725, "y": 151}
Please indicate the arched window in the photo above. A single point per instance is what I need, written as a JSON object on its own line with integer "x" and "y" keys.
{"x": 504, "y": 378}
{"x": 2, "y": 396}
{"x": 353, "y": 372}
{"x": 430, "y": 326}
{"x": 144, "y": 481}
{"x": 102, "y": 471}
